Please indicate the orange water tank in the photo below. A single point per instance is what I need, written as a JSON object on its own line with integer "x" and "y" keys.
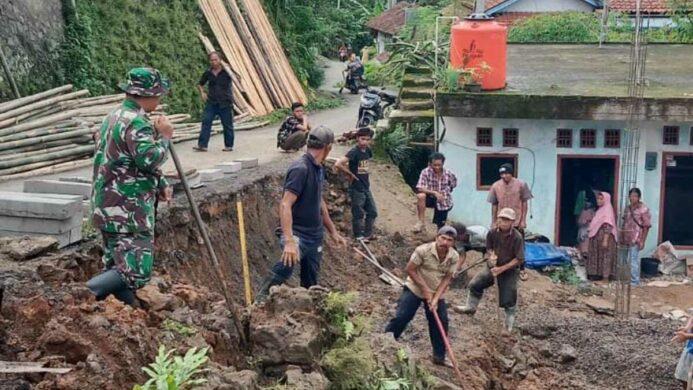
{"x": 480, "y": 44}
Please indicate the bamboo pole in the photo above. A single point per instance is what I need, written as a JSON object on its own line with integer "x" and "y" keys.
{"x": 33, "y": 166}
{"x": 77, "y": 151}
{"x": 45, "y": 121}
{"x": 42, "y": 103}
{"x": 8, "y": 73}
{"x": 32, "y": 98}
{"x": 57, "y": 168}
{"x": 11, "y": 156}
{"x": 31, "y": 115}
{"x": 33, "y": 148}
{"x": 244, "y": 253}
{"x": 38, "y": 133}
{"x": 44, "y": 139}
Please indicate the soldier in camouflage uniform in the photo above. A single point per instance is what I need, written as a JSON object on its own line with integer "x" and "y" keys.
{"x": 130, "y": 150}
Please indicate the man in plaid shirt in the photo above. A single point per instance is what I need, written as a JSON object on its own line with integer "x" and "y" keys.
{"x": 434, "y": 188}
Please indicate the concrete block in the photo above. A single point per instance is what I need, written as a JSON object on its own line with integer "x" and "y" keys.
{"x": 46, "y": 206}
{"x": 64, "y": 239}
{"x": 57, "y": 187}
{"x": 22, "y": 225}
{"x": 208, "y": 175}
{"x": 76, "y": 179}
{"x": 229, "y": 167}
{"x": 247, "y": 162}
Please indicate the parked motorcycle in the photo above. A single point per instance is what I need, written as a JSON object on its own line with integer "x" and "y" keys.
{"x": 354, "y": 86}
{"x": 373, "y": 107}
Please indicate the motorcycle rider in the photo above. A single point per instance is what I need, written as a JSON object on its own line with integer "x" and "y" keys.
{"x": 353, "y": 71}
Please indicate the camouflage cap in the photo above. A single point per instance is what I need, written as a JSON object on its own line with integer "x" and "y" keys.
{"x": 145, "y": 82}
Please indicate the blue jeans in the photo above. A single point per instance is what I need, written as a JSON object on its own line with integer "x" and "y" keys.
{"x": 633, "y": 252}
{"x": 225, "y": 113}
{"x": 362, "y": 206}
{"x": 406, "y": 309}
{"x": 310, "y": 255}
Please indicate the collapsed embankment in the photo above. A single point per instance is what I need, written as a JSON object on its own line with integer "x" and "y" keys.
{"x": 49, "y": 315}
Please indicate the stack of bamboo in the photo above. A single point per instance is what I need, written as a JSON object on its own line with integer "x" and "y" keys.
{"x": 51, "y": 131}
{"x": 249, "y": 43}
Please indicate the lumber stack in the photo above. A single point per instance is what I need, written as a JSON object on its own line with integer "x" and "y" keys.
{"x": 51, "y": 131}
{"x": 249, "y": 43}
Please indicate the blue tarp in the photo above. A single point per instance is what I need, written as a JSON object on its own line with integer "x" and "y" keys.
{"x": 540, "y": 255}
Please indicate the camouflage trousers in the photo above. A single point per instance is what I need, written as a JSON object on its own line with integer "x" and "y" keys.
{"x": 132, "y": 254}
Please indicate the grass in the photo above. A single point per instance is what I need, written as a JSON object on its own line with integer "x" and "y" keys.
{"x": 318, "y": 100}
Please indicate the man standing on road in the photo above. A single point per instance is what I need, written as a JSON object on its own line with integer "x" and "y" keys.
{"x": 636, "y": 224}
{"x": 506, "y": 248}
{"x": 218, "y": 102}
{"x": 435, "y": 187}
{"x": 293, "y": 131}
{"x": 130, "y": 150}
{"x": 430, "y": 271}
{"x": 362, "y": 203}
{"x": 512, "y": 193}
{"x": 303, "y": 215}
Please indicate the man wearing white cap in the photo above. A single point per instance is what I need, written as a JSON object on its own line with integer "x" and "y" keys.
{"x": 506, "y": 246}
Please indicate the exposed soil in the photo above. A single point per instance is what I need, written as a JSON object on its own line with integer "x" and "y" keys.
{"x": 49, "y": 315}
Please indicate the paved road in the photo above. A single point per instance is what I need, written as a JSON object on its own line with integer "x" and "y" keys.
{"x": 260, "y": 143}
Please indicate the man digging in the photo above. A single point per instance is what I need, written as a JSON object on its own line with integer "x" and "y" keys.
{"x": 430, "y": 270}
{"x": 505, "y": 245}
{"x": 130, "y": 150}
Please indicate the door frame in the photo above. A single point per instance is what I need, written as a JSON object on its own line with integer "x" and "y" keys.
{"x": 662, "y": 195}
{"x": 559, "y": 182}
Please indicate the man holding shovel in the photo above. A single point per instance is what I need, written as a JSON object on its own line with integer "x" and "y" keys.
{"x": 130, "y": 150}
{"x": 430, "y": 270}
{"x": 506, "y": 248}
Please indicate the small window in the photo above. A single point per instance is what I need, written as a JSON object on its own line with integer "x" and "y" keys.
{"x": 588, "y": 138}
{"x": 487, "y": 166}
{"x": 564, "y": 138}
{"x": 670, "y": 135}
{"x": 612, "y": 138}
{"x": 510, "y": 138}
{"x": 484, "y": 136}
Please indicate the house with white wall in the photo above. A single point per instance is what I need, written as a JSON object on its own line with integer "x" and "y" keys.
{"x": 509, "y": 11}
{"x": 561, "y": 121}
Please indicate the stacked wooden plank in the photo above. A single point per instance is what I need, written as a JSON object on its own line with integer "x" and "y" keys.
{"x": 51, "y": 131}
{"x": 249, "y": 43}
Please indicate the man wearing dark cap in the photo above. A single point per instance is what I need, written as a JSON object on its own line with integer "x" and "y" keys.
{"x": 355, "y": 165}
{"x": 293, "y": 131}
{"x": 130, "y": 150}
{"x": 430, "y": 271}
{"x": 512, "y": 193}
{"x": 218, "y": 102}
{"x": 303, "y": 215}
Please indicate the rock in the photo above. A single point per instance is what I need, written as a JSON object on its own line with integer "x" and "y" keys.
{"x": 675, "y": 315}
{"x": 648, "y": 314}
{"x": 600, "y": 306}
{"x": 567, "y": 353}
{"x": 25, "y": 248}
{"x": 239, "y": 380}
{"x": 545, "y": 350}
{"x": 287, "y": 329}
{"x": 298, "y": 380}
{"x": 440, "y": 384}
{"x": 537, "y": 331}
{"x": 99, "y": 321}
{"x": 154, "y": 300}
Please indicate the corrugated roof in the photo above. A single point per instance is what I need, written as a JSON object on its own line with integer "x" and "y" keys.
{"x": 646, "y": 6}
{"x": 390, "y": 21}
{"x": 506, "y": 3}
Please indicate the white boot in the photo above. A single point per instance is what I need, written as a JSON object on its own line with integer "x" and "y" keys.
{"x": 510, "y": 318}
{"x": 470, "y": 307}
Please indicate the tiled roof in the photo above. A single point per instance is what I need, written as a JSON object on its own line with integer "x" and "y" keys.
{"x": 646, "y": 6}
{"x": 390, "y": 21}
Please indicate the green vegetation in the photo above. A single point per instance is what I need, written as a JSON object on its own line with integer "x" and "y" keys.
{"x": 394, "y": 145}
{"x": 581, "y": 27}
{"x": 312, "y": 27}
{"x": 565, "y": 274}
{"x": 175, "y": 372}
{"x": 404, "y": 376}
{"x": 177, "y": 327}
{"x": 350, "y": 365}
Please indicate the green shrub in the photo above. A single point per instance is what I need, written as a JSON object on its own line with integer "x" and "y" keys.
{"x": 175, "y": 372}
{"x": 350, "y": 366}
{"x": 394, "y": 145}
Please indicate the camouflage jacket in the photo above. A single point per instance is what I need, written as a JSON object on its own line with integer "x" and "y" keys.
{"x": 127, "y": 174}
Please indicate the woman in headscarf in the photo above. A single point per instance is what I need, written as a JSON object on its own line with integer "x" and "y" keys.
{"x": 601, "y": 257}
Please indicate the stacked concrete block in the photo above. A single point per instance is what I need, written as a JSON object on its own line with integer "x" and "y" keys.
{"x": 247, "y": 162}
{"x": 208, "y": 175}
{"x": 58, "y": 187}
{"x": 59, "y": 216}
{"x": 229, "y": 167}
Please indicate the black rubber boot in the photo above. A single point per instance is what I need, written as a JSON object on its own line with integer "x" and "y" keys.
{"x": 110, "y": 282}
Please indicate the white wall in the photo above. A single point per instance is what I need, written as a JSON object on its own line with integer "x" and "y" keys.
{"x": 539, "y": 169}
{"x": 549, "y": 6}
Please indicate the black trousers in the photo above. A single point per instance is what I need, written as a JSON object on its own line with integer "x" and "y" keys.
{"x": 507, "y": 286}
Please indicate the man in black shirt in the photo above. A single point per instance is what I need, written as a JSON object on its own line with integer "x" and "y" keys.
{"x": 303, "y": 215}
{"x": 219, "y": 102}
{"x": 362, "y": 203}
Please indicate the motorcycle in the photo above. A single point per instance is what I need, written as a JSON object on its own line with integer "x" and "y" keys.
{"x": 358, "y": 83}
{"x": 373, "y": 107}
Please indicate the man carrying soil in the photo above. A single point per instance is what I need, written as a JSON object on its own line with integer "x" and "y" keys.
{"x": 130, "y": 150}
{"x": 512, "y": 193}
{"x": 218, "y": 102}
{"x": 430, "y": 270}
{"x": 303, "y": 215}
{"x": 362, "y": 203}
{"x": 434, "y": 188}
{"x": 506, "y": 247}
{"x": 293, "y": 131}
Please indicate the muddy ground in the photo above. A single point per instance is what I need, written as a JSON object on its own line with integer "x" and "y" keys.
{"x": 48, "y": 314}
